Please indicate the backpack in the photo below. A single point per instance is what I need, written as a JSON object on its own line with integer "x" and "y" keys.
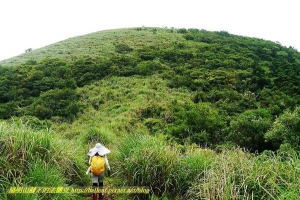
{"x": 97, "y": 165}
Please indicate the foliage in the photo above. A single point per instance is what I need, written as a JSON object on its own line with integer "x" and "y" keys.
{"x": 56, "y": 103}
{"x": 200, "y": 123}
{"x": 286, "y": 128}
{"x": 248, "y": 129}
{"x": 122, "y": 48}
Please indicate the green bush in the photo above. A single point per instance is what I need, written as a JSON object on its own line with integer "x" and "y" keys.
{"x": 200, "y": 123}
{"x": 58, "y": 102}
{"x": 248, "y": 129}
{"x": 285, "y": 129}
{"x": 182, "y": 30}
{"x": 148, "y": 53}
{"x": 148, "y": 67}
{"x": 154, "y": 125}
{"x": 123, "y": 48}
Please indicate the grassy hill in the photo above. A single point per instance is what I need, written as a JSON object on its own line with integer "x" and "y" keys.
{"x": 190, "y": 113}
{"x": 100, "y": 44}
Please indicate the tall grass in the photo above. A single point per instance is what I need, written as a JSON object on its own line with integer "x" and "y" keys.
{"x": 194, "y": 163}
{"x": 143, "y": 162}
{"x": 36, "y": 158}
{"x": 150, "y": 161}
{"x": 94, "y": 135}
{"x": 235, "y": 174}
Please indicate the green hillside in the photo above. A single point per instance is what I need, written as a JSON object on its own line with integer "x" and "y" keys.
{"x": 190, "y": 113}
{"x": 101, "y": 44}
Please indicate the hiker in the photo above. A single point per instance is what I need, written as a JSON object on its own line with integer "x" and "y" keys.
{"x": 98, "y": 164}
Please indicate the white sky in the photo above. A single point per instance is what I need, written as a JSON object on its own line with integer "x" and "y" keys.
{"x": 36, "y": 23}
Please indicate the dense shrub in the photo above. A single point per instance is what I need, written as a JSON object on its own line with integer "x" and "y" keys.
{"x": 200, "y": 123}
{"x": 285, "y": 129}
{"x": 149, "y": 67}
{"x": 182, "y": 30}
{"x": 122, "y": 48}
{"x": 63, "y": 103}
{"x": 249, "y": 128}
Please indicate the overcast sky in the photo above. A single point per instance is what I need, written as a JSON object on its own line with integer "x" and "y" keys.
{"x": 37, "y": 23}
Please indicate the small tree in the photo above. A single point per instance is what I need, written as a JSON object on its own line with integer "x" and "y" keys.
{"x": 286, "y": 129}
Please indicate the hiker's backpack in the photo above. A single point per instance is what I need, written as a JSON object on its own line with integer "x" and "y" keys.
{"x": 97, "y": 165}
